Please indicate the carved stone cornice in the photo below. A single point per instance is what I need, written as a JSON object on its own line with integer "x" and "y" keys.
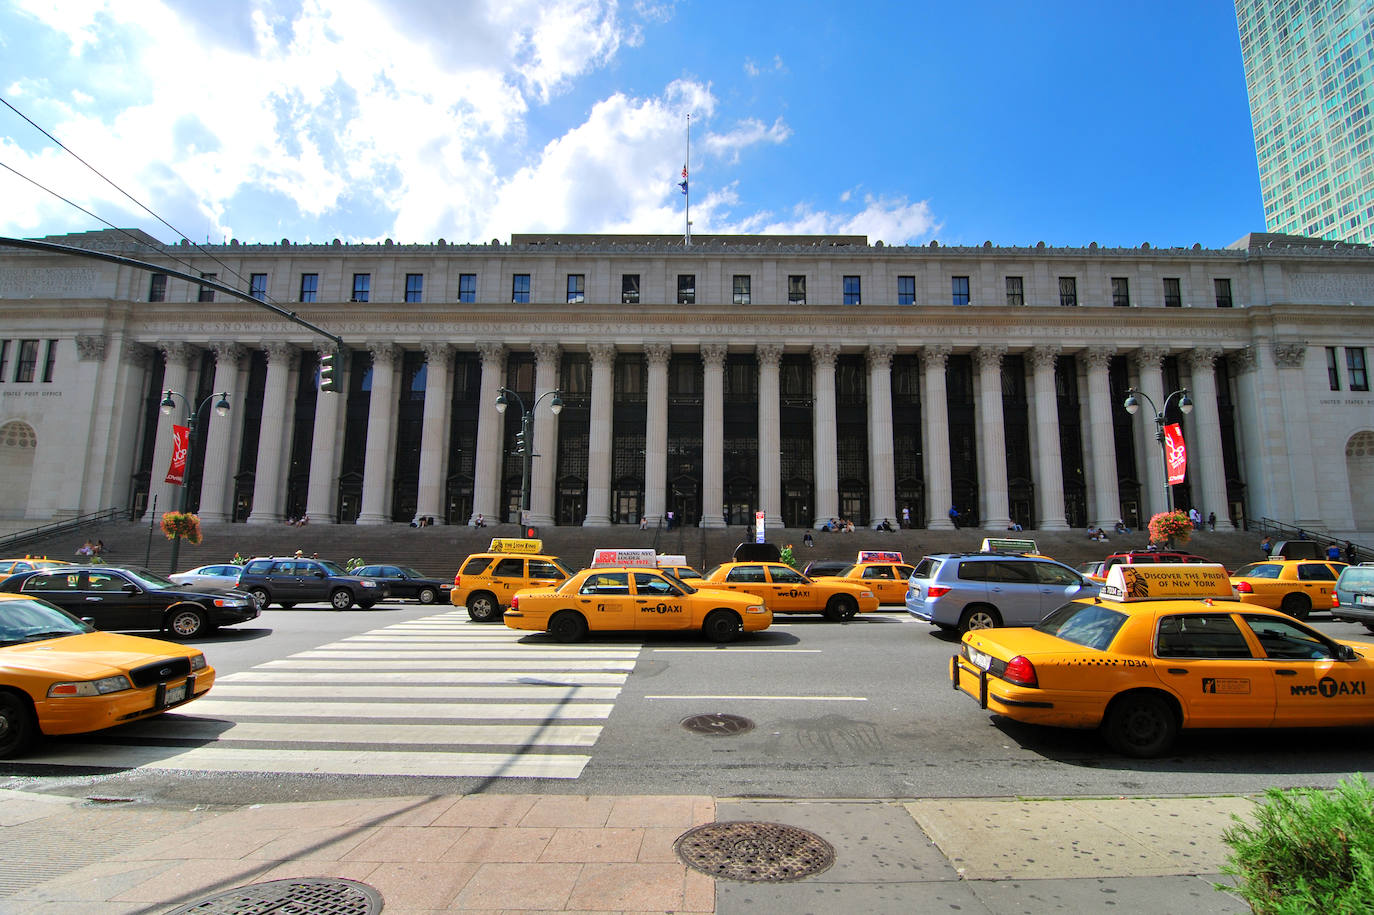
{"x": 1289, "y": 355}
{"x": 1203, "y": 358}
{"x": 603, "y": 354}
{"x": 384, "y": 354}
{"x": 90, "y": 347}
{"x": 657, "y": 354}
{"x": 139, "y": 354}
{"x": 1098, "y": 358}
{"x": 1243, "y": 360}
{"x": 547, "y": 353}
{"x": 989, "y": 357}
{"x": 824, "y": 354}
{"x": 713, "y": 355}
{"x": 879, "y": 357}
{"x": 1044, "y": 357}
{"x": 437, "y": 353}
{"x": 769, "y": 354}
{"x": 492, "y": 353}
{"x": 178, "y": 353}
{"x": 936, "y": 357}
{"x": 228, "y": 352}
{"x": 1149, "y": 358}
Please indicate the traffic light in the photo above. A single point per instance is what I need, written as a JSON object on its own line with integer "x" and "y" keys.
{"x": 329, "y": 380}
{"x": 520, "y": 443}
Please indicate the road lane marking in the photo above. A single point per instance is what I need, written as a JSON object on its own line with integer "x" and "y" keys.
{"x": 542, "y": 691}
{"x": 494, "y": 677}
{"x": 739, "y": 650}
{"x": 190, "y": 727}
{"x": 433, "y": 664}
{"x": 382, "y": 711}
{"x": 770, "y": 698}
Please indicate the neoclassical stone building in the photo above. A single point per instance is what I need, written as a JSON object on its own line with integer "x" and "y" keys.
{"x": 807, "y": 377}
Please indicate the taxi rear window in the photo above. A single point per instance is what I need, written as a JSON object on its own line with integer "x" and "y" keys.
{"x": 1089, "y": 625}
{"x": 476, "y": 565}
{"x": 1259, "y": 570}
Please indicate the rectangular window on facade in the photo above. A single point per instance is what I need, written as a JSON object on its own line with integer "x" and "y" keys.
{"x": 467, "y": 287}
{"x": 4, "y": 358}
{"x": 1173, "y": 298}
{"x": 1068, "y": 291}
{"x": 1121, "y": 292}
{"x": 851, "y": 291}
{"x": 1016, "y": 291}
{"x": 796, "y": 290}
{"x": 1333, "y": 371}
{"x": 686, "y": 289}
{"x": 50, "y": 361}
{"x": 1355, "y": 368}
{"x": 1223, "y": 288}
{"x": 415, "y": 287}
{"x": 906, "y": 290}
{"x": 629, "y": 289}
{"x": 520, "y": 288}
{"x": 577, "y": 288}
{"x": 958, "y": 288}
{"x": 310, "y": 287}
{"x": 27, "y": 363}
{"x": 257, "y": 286}
{"x": 157, "y": 288}
{"x": 362, "y": 287}
{"x": 206, "y": 293}
{"x": 743, "y": 283}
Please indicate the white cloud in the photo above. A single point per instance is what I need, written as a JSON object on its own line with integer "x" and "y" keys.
{"x": 892, "y": 220}
{"x": 747, "y": 133}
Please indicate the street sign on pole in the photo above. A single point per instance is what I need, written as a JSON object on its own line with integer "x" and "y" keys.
{"x": 758, "y": 527}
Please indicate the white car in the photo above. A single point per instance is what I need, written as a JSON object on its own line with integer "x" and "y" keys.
{"x": 212, "y": 578}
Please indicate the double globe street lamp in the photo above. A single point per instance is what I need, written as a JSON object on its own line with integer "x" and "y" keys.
{"x": 524, "y": 439}
{"x": 1185, "y": 406}
{"x": 168, "y": 405}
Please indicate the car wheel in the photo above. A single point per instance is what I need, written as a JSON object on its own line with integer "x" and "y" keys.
{"x": 841, "y": 607}
{"x": 341, "y": 599}
{"x": 1141, "y": 725}
{"x": 979, "y": 616}
{"x": 261, "y": 596}
{"x": 1296, "y": 605}
{"x": 722, "y": 626}
{"x": 17, "y": 726}
{"x": 1369, "y": 626}
{"x": 187, "y": 622}
{"x": 482, "y": 607}
{"x": 568, "y": 626}
{"x": 427, "y": 595}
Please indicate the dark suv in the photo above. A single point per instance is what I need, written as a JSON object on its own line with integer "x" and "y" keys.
{"x": 291, "y": 580}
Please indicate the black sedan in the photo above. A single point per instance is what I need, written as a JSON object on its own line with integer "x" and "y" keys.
{"x": 121, "y": 597}
{"x": 405, "y": 582}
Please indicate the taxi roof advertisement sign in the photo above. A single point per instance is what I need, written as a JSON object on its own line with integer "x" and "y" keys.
{"x": 637, "y": 558}
{"x": 879, "y": 556}
{"x": 515, "y": 545}
{"x": 1166, "y": 581}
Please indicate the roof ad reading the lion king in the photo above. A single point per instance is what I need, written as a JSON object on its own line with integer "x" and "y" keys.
{"x": 1167, "y": 581}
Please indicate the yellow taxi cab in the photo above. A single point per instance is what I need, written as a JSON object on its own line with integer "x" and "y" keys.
{"x": 1164, "y": 648}
{"x": 28, "y": 564}
{"x": 486, "y": 582}
{"x": 757, "y": 570}
{"x": 613, "y": 597}
{"x": 884, "y": 572}
{"x": 676, "y": 565}
{"x": 1295, "y": 586}
{"x": 58, "y": 675}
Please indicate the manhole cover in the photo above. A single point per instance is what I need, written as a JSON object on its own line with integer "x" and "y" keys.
{"x": 718, "y": 725}
{"x": 300, "y": 896}
{"x": 754, "y": 852}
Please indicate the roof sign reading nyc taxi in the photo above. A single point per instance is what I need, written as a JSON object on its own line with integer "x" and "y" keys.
{"x": 879, "y": 556}
{"x": 636, "y": 559}
{"x": 1167, "y": 581}
{"x": 1006, "y": 545}
{"x": 515, "y": 545}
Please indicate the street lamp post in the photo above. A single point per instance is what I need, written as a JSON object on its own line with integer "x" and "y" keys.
{"x": 1185, "y": 406}
{"x": 168, "y": 405}
{"x": 525, "y": 437}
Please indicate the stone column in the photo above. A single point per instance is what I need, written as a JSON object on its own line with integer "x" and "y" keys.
{"x": 381, "y": 436}
{"x": 322, "y": 496}
{"x": 486, "y": 496}
{"x": 882, "y": 472}
{"x": 98, "y": 409}
{"x": 825, "y": 434}
{"x": 434, "y": 431}
{"x": 174, "y": 377}
{"x": 545, "y": 469}
{"x": 1206, "y": 426}
{"x": 713, "y": 435}
{"x": 1297, "y": 433}
{"x": 1050, "y": 486}
{"x": 935, "y": 416}
{"x": 268, "y": 487}
{"x": 770, "y": 434}
{"x": 1148, "y": 361}
{"x": 1260, "y": 427}
{"x": 656, "y": 432}
{"x": 599, "y": 436}
{"x": 1106, "y": 493}
{"x": 215, "y": 488}
{"x": 993, "y": 443}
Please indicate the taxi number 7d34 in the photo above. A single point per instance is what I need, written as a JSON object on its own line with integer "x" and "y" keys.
{"x": 979, "y": 659}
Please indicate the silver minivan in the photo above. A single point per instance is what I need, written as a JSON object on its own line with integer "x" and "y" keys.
{"x": 966, "y": 591}
{"x": 1355, "y": 595}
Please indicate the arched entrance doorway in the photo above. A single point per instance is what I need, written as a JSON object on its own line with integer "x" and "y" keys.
{"x": 18, "y": 444}
{"x": 1359, "y": 468}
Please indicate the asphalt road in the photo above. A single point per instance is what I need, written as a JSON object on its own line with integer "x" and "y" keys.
{"x": 312, "y": 703}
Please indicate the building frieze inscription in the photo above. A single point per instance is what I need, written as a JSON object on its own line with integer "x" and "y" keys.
{"x": 48, "y": 282}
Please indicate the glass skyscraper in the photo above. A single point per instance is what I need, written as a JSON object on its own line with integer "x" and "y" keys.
{"x": 1309, "y": 69}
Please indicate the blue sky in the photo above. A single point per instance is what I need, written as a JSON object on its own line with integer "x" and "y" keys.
{"x": 468, "y": 120}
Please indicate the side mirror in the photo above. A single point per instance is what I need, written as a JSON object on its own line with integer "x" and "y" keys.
{"x": 130, "y": 588}
{"x": 1346, "y": 653}
{"x": 319, "y": 573}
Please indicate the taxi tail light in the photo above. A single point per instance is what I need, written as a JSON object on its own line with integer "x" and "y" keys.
{"x": 1021, "y": 671}
{"x": 457, "y": 579}
{"x": 937, "y": 590}
{"x": 1244, "y": 588}
{"x": 515, "y": 602}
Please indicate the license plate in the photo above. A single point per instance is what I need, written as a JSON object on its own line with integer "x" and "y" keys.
{"x": 176, "y": 694}
{"x": 979, "y": 659}
{"x": 1365, "y": 600}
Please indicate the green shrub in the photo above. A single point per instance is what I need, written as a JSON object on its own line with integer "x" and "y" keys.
{"x": 355, "y": 563}
{"x": 1308, "y": 851}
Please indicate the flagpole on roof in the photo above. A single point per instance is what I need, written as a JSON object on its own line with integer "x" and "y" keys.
{"x": 686, "y": 189}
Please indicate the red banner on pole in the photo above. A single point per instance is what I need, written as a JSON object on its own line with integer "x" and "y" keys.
{"x": 1176, "y": 453}
{"x": 181, "y": 437}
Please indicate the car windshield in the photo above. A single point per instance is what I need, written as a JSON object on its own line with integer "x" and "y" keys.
{"x": 1353, "y": 577}
{"x": 1089, "y": 625}
{"x": 333, "y": 568}
{"x": 1258, "y": 570}
{"x": 32, "y": 620}
{"x": 851, "y": 571}
{"x": 678, "y": 581}
{"x": 408, "y": 572}
{"x": 150, "y": 580}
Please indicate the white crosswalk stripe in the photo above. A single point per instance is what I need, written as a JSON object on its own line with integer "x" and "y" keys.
{"x": 437, "y": 696}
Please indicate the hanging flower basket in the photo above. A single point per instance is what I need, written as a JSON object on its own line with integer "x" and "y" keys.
{"x": 1167, "y": 527}
{"x": 182, "y": 524}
